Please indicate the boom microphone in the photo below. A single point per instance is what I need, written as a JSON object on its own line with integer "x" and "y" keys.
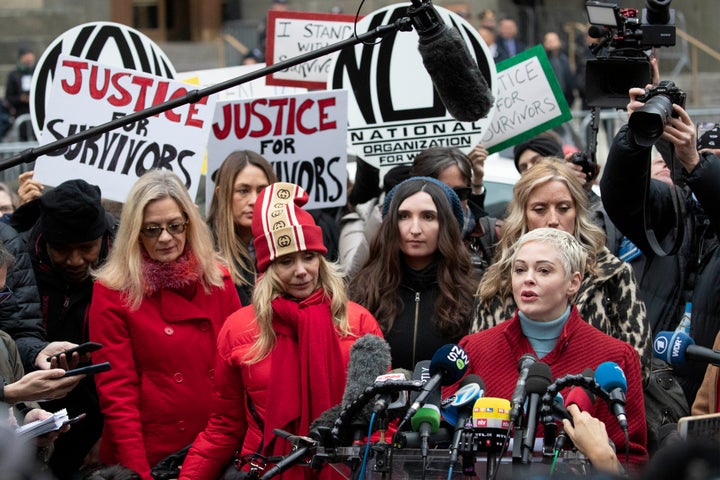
{"x": 455, "y": 75}
{"x": 676, "y": 348}
{"x": 611, "y": 378}
{"x": 447, "y": 366}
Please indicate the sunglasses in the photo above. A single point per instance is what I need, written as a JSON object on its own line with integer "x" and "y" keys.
{"x": 463, "y": 193}
{"x": 155, "y": 231}
{"x": 5, "y": 293}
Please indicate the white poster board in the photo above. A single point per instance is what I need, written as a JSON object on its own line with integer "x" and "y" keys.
{"x": 529, "y": 100}
{"x": 291, "y": 34}
{"x": 86, "y": 94}
{"x": 303, "y": 136}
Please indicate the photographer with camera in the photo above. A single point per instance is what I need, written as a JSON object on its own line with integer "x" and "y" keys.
{"x": 687, "y": 215}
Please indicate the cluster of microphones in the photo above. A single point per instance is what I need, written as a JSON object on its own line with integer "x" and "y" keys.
{"x": 383, "y": 411}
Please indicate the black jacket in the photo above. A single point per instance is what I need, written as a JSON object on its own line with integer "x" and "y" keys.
{"x": 20, "y": 315}
{"x": 414, "y": 335}
{"x": 666, "y": 283}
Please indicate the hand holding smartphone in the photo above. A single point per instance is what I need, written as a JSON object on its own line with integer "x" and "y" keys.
{"x": 81, "y": 349}
{"x": 89, "y": 370}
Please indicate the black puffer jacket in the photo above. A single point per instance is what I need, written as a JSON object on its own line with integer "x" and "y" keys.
{"x": 691, "y": 275}
{"x": 20, "y": 315}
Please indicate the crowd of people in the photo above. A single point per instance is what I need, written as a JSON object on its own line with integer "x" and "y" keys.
{"x": 222, "y": 330}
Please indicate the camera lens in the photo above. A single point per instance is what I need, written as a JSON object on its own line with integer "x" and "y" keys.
{"x": 658, "y": 11}
{"x": 647, "y": 123}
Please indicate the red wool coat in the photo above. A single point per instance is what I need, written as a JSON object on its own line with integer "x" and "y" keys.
{"x": 156, "y": 398}
{"x": 232, "y": 423}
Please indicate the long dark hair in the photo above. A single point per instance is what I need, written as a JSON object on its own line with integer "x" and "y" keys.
{"x": 377, "y": 284}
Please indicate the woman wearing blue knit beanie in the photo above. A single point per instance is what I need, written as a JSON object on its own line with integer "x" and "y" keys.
{"x": 417, "y": 281}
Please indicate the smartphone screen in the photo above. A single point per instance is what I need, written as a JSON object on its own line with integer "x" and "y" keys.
{"x": 711, "y": 140}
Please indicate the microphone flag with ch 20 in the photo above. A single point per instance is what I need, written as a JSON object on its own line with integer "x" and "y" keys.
{"x": 539, "y": 379}
{"x": 459, "y": 411}
{"x": 611, "y": 378}
{"x": 455, "y": 75}
{"x": 449, "y": 363}
{"x": 369, "y": 358}
{"x": 518, "y": 397}
{"x": 677, "y": 348}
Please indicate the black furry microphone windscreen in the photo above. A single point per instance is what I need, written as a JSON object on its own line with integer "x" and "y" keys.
{"x": 455, "y": 75}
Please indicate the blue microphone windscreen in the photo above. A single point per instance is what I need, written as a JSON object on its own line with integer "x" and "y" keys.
{"x": 451, "y": 362}
{"x": 671, "y": 346}
{"x": 610, "y": 376}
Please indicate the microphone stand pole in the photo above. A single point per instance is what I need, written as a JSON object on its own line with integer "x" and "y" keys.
{"x": 30, "y": 155}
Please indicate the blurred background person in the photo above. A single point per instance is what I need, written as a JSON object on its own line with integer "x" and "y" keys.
{"x": 508, "y": 45}
{"x": 17, "y": 90}
{"x": 238, "y": 182}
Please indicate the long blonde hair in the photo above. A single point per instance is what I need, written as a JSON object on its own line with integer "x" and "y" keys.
{"x": 269, "y": 287}
{"x": 496, "y": 280}
{"x": 123, "y": 269}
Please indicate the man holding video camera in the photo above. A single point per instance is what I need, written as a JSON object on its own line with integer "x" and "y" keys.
{"x": 689, "y": 210}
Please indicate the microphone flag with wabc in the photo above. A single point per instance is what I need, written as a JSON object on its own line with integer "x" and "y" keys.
{"x": 676, "y": 348}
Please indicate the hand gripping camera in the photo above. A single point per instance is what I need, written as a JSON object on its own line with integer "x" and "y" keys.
{"x": 647, "y": 123}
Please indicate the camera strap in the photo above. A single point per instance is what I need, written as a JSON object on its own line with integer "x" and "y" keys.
{"x": 677, "y": 207}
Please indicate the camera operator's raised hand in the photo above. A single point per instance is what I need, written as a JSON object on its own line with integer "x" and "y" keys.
{"x": 680, "y": 131}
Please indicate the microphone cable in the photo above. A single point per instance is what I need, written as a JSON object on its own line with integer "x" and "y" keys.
{"x": 503, "y": 451}
{"x": 367, "y": 448}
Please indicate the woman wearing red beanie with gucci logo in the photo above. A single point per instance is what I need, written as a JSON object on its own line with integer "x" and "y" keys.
{"x": 282, "y": 361}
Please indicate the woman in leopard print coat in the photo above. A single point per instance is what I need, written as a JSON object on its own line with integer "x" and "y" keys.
{"x": 549, "y": 195}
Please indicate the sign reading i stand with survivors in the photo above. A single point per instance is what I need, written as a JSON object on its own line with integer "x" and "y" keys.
{"x": 85, "y": 94}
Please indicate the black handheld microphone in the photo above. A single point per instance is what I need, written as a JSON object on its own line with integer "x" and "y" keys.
{"x": 518, "y": 397}
{"x": 448, "y": 365}
{"x": 611, "y": 378}
{"x": 455, "y": 75}
{"x": 539, "y": 379}
{"x": 392, "y": 400}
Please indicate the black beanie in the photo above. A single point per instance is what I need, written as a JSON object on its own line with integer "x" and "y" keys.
{"x": 72, "y": 213}
{"x": 544, "y": 146}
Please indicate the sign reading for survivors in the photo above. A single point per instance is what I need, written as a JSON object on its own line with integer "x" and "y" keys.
{"x": 303, "y": 136}
{"x": 393, "y": 110}
{"x": 86, "y": 94}
{"x": 529, "y": 100}
{"x": 291, "y": 34}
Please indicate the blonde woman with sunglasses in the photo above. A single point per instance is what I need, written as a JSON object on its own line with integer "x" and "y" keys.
{"x": 158, "y": 304}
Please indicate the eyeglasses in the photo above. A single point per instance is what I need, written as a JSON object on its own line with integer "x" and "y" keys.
{"x": 155, "y": 231}
{"x": 5, "y": 293}
{"x": 463, "y": 193}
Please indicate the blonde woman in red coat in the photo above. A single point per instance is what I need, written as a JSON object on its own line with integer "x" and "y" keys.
{"x": 158, "y": 304}
{"x": 282, "y": 361}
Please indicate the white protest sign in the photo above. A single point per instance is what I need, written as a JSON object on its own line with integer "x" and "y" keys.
{"x": 291, "y": 34}
{"x": 303, "y": 136}
{"x": 106, "y": 42}
{"x": 394, "y": 111}
{"x": 529, "y": 100}
{"x": 256, "y": 88}
{"x": 86, "y": 94}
